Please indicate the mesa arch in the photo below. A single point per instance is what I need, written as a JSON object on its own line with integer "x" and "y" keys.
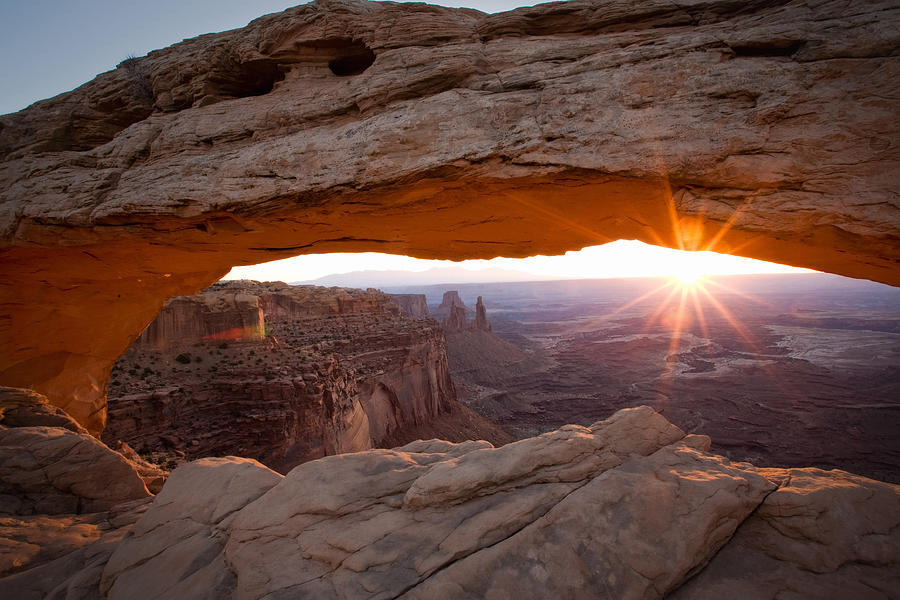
{"x": 766, "y": 128}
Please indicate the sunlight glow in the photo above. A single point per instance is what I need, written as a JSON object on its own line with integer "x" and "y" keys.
{"x": 622, "y": 258}
{"x": 689, "y": 277}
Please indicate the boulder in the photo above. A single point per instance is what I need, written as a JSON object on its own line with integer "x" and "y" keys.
{"x": 821, "y": 534}
{"x": 26, "y": 408}
{"x": 176, "y": 547}
{"x": 50, "y": 470}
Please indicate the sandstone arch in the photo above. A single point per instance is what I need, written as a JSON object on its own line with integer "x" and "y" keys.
{"x": 765, "y": 128}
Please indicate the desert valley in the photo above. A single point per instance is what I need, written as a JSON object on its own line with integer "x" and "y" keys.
{"x": 167, "y": 433}
{"x": 774, "y": 368}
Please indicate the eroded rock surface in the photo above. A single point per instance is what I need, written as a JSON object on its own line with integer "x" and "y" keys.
{"x": 627, "y": 508}
{"x": 822, "y": 534}
{"x": 340, "y": 371}
{"x": 205, "y": 318}
{"x": 481, "y": 322}
{"x": 20, "y": 407}
{"x": 448, "y": 301}
{"x": 50, "y": 470}
{"x": 412, "y": 305}
{"x": 767, "y": 129}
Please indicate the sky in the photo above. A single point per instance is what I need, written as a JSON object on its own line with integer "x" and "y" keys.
{"x": 52, "y": 46}
{"x": 623, "y": 258}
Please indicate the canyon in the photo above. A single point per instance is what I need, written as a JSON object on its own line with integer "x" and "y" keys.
{"x": 771, "y": 367}
{"x": 762, "y": 128}
{"x": 286, "y": 374}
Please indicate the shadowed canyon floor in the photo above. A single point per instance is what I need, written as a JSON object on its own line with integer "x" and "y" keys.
{"x": 774, "y": 369}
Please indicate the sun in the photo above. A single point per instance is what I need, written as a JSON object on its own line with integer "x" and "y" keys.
{"x": 688, "y": 276}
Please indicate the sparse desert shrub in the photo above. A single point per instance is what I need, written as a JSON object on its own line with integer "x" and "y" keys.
{"x": 198, "y": 359}
{"x": 223, "y": 345}
{"x": 183, "y": 358}
{"x": 139, "y": 72}
{"x": 170, "y": 466}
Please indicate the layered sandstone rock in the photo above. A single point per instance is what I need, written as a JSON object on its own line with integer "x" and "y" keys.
{"x": 481, "y": 322}
{"x": 61, "y": 556}
{"x": 822, "y": 534}
{"x": 455, "y": 321}
{"x": 448, "y": 301}
{"x": 412, "y": 305}
{"x": 49, "y": 470}
{"x": 629, "y": 507}
{"x": 50, "y": 466}
{"x": 26, "y": 408}
{"x": 343, "y": 371}
{"x": 762, "y": 128}
{"x": 456, "y": 312}
{"x": 210, "y": 317}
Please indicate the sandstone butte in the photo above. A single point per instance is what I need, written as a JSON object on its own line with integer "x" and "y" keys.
{"x": 764, "y": 128}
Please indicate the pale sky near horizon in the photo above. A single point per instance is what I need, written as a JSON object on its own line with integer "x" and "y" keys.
{"x": 53, "y": 46}
{"x": 623, "y": 258}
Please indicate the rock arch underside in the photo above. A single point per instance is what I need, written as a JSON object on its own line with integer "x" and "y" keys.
{"x": 763, "y": 128}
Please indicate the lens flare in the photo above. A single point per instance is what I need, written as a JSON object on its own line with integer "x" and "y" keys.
{"x": 688, "y": 277}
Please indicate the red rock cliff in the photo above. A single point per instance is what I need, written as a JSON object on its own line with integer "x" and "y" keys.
{"x": 341, "y": 373}
{"x": 412, "y": 305}
{"x": 212, "y": 316}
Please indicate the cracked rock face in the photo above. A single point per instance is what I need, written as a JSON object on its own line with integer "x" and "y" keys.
{"x": 627, "y": 508}
{"x": 767, "y": 129}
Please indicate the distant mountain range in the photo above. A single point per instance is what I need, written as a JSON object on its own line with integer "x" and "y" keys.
{"x": 437, "y": 275}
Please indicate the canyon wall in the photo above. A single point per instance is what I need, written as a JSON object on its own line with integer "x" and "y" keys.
{"x": 340, "y": 371}
{"x": 764, "y": 128}
{"x": 205, "y": 318}
{"x": 412, "y": 305}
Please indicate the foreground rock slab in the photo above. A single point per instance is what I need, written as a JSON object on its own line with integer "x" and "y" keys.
{"x": 49, "y": 470}
{"x": 822, "y": 534}
{"x": 627, "y": 508}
